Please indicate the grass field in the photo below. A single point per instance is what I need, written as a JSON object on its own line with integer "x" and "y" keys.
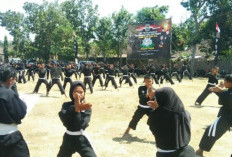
{"x": 112, "y": 111}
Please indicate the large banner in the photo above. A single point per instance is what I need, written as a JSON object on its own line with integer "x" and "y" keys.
{"x": 149, "y": 40}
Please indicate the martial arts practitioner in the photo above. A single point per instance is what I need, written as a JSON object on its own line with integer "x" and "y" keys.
{"x": 145, "y": 93}
{"x": 175, "y": 72}
{"x": 125, "y": 76}
{"x": 42, "y": 78}
{"x": 152, "y": 71}
{"x": 12, "y": 111}
{"x": 68, "y": 72}
{"x": 30, "y": 72}
{"x": 184, "y": 71}
{"x": 169, "y": 122}
{"x": 132, "y": 72}
{"x": 212, "y": 82}
{"x": 165, "y": 75}
{"x": 56, "y": 72}
{"x": 224, "y": 120}
{"x": 75, "y": 116}
{"x": 111, "y": 77}
{"x": 87, "y": 71}
{"x": 97, "y": 75}
{"x": 21, "y": 70}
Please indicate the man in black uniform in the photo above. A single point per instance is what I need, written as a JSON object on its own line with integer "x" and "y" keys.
{"x": 132, "y": 72}
{"x": 224, "y": 120}
{"x": 56, "y": 72}
{"x": 111, "y": 77}
{"x": 185, "y": 71}
{"x": 146, "y": 93}
{"x": 12, "y": 111}
{"x": 175, "y": 72}
{"x": 68, "y": 72}
{"x": 97, "y": 74}
{"x": 42, "y": 78}
{"x": 152, "y": 71}
{"x": 125, "y": 76}
{"x": 212, "y": 82}
{"x": 87, "y": 71}
{"x": 21, "y": 70}
{"x": 165, "y": 75}
{"x": 30, "y": 72}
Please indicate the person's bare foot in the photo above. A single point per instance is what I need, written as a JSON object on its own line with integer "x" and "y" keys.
{"x": 47, "y": 94}
{"x": 199, "y": 152}
{"x": 127, "y": 131}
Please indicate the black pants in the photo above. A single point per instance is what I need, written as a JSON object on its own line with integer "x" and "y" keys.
{"x": 110, "y": 78}
{"x": 88, "y": 80}
{"x": 186, "y": 72}
{"x": 127, "y": 80}
{"x": 154, "y": 77}
{"x": 133, "y": 76}
{"x": 186, "y": 151}
{"x": 139, "y": 113}
{"x": 221, "y": 125}
{"x": 40, "y": 81}
{"x": 102, "y": 71}
{"x": 167, "y": 77}
{"x": 97, "y": 77}
{"x": 22, "y": 76}
{"x": 66, "y": 80}
{"x": 73, "y": 144}
{"x": 56, "y": 81}
{"x": 204, "y": 94}
{"x": 31, "y": 74}
{"x": 177, "y": 76}
{"x": 13, "y": 145}
{"x": 117, "y": 72}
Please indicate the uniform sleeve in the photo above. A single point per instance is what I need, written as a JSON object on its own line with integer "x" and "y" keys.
{"x": 66, "y": 114}
{"x": 17, "y": 109}
{"x": 224, "y": 99}
{"x": 86, "y": 118}
{"x": 142, "y": 93}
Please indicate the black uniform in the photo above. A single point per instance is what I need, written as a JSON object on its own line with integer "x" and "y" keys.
{"x": 175, "y": 72}
{"x": 30, "y": 73}
{"x": 220, "y": 125}
{"x": 74, "y": 139}
{"x": 125, "y": 76}
{"x": 12, "y": 111}
{"x": 87, "y": 71}
{"x": 42, "y": 79}
{"x": 132, "y": 74}
{"x": 97, "y": 75}
{"x": 165, "y": 75}
{"x": 111, "y": 77}
{"x": 142, "y": 109}
{"x": 185, "y": 71}
{"x": 152, "y": 71}
{"x": 170, "y": 125}
{"x": 21, "y": 71}
{"x": 68, "y": 76}
{"x": 56, "y": 72}
{"x": 212, "y": 82}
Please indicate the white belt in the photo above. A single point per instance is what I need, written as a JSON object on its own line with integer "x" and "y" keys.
{"x": 125, "y": 75}
{"x": 75, "y": 133}
{"x": 87, "y": 76}
{"x": 42, "y": 78}
{"x": 144, "y": 106}
{"x": 67, "y": 77}
{"x": 214, "y": 84}
{"x": 6, "y": 129}
{"x": 152, "y": 73}
{"x": 111, "y": 76}
{"x": 164, "y": 151}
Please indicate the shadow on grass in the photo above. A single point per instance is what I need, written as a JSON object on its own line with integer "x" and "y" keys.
{"x": 128, "y": 138}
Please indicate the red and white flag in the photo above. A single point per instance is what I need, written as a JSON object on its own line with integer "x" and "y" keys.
{"x": 217, "y": 28}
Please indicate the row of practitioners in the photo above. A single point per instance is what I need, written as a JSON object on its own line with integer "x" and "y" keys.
{"x": 168, "y": 120}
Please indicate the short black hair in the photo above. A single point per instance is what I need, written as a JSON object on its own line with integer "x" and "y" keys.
{"x": 148, "y": 76}
{"x": 215, "y": 67}
{"x": 6, "y": 72}
{"x": 228, "y": 78}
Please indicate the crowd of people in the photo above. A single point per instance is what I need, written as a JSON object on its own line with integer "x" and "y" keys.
{"x": 168, "y": 120}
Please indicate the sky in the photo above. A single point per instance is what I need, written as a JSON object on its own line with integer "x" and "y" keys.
{"x": 105, "y": 8}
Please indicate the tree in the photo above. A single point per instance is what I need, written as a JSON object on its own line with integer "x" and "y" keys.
{"x": 13, "y": 22}
{"x": 53, "y": 32}
{"x": 121, "y": 20}
{"x": 104, "y": 35}
{"x": 155, "y": 13}
{"x": 199, "y": 12}
{"x": 83, "y": 17}
{"x": 5, "y": 49}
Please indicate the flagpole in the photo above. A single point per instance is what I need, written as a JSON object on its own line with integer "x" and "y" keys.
{"x": 216, "y": 44}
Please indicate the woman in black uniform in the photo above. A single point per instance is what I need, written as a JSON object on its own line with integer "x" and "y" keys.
{"x": 75, "y": 116}
{"x": 170, "y": 124}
